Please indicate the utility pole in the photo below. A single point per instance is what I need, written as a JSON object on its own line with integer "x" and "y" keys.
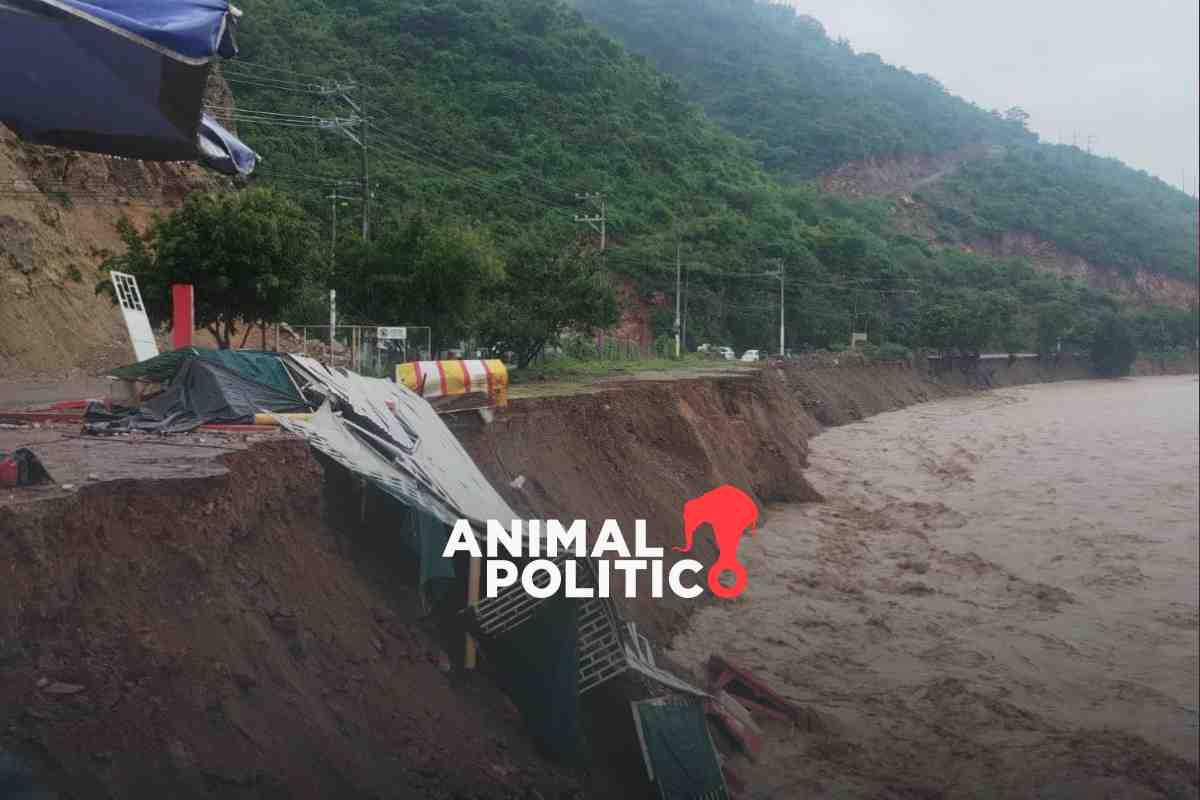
{"x": 359, "y": 121}
{"x": 678, "y": 296}
{"x": 334, "y": 198}
{"x": 782, "y": 343}
{"x": 597, "y": 222}
{"x": 366, "y": 180}
{"x": 686, "y": 277}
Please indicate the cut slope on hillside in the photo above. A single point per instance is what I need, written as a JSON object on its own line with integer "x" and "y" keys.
{"x": 58, "y": 211}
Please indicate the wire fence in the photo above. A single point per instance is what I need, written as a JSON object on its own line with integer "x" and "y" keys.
{"x": 367, "y": 349}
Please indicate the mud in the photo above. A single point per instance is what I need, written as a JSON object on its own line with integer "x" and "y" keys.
{"x": 998, "y": 598}
{"x": 226, "y": 620}
{"x": 640, "y": 450}
{"x": 212, "y": 636}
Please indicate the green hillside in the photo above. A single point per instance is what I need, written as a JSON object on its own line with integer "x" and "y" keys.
{"x": 808, "y": 104}
{"x": 487, "y": 117}
{"x": 1095, "y": 207}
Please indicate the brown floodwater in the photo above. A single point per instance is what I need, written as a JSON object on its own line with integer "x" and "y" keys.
{"x": 998, "y": 598}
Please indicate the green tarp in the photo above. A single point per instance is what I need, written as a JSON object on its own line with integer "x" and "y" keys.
{"x": 682, "y": 759}
{"x": 256, "y": 365}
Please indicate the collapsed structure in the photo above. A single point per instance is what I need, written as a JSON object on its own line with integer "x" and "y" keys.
{"x": 546, "y": 653}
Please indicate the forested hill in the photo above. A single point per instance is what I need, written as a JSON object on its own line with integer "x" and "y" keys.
{"x": 808, "y": 104}
{"x": 486, "y": 118}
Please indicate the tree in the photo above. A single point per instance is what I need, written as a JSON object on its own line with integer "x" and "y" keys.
{"x": 248, "y": 255}
{"x": 1018, "y": 115}
{"x": 1113, "y": 349}
{"x": 546, "y": 294}
{"x": 421, "y": 272}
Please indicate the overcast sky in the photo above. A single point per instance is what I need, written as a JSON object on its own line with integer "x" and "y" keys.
{"x": 1124, "y": 73}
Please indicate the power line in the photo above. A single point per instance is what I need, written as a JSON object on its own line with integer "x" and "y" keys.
{"x": 255, "y": 66}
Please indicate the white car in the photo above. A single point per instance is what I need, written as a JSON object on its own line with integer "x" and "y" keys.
{"x": 727, "y": 353}
{"x": 751, "y": 355}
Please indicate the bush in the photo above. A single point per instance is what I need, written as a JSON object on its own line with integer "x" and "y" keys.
{"x": 891, "y": 351}
{"x": 1113, "y": 349}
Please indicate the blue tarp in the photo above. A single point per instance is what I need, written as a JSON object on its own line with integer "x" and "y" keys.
{"x": 222, "y": 151}
{"x": 186, "y": 29}
{"x": 122, "y": 77}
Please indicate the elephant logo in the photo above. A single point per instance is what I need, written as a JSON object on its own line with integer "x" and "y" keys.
{"x": 731, "y": 513}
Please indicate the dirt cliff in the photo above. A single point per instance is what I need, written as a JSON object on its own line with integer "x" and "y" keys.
{"x": 217, "y": 636}
{"x": 640, "y": 451}
{"x": 58, "y": 215}
{"x": 251, "y": 630}
{"x": 243, "y": 631}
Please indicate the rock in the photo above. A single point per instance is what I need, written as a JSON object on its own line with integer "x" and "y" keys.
{"x": 244, "y": 680}
{"x": 60, "y": 688}
{"x": 93, "y": 476}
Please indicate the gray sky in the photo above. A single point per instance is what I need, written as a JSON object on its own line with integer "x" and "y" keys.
{"x": 1125, "y": 73}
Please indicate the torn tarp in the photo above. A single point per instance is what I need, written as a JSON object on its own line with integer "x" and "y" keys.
{"x": 385, "y": 432}
{"x": 122, "y": 77}
{"x": 203, "y": 392}
{"x": 256, "y": 365}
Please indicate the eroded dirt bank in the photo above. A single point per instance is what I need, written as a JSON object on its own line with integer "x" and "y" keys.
{"x": 241, "y": 632}
{"x": 641, "y": 450}
{"x": 214, "y": 637}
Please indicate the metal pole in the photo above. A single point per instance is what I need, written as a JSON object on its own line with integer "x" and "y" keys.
{"x": 603, "y": 226}
{"x": 678, "y": 298}
{"x": 332, "y": 321}
{"x": 782, "y": 349}
{"x": 366, "y": 187}
{"x": 686, "y": 276}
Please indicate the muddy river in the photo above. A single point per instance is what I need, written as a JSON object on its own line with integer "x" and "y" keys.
{"x": 997, "y": 599}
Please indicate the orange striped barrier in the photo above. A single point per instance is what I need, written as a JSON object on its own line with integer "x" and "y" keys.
{"x": 434, "y": 379}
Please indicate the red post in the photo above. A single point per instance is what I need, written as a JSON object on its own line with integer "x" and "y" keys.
{"x": 183, "y": 314}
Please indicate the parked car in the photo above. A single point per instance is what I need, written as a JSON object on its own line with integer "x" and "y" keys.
{"x": 727, "y": 353}
{"x": 751, "y": 355}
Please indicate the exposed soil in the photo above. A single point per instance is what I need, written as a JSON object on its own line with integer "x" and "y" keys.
{"x": 205, "y": 636}
{"x": 640, "y": 450}
{"x": 209, "y": 615}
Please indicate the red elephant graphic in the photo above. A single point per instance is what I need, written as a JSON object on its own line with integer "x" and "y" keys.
{"x": 730, "y": 512}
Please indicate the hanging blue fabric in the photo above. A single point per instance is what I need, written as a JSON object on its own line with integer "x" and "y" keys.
{"x": 121, "y": 77}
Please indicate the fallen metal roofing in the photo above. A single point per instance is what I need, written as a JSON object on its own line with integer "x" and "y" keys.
{"x": 388, "y": 434}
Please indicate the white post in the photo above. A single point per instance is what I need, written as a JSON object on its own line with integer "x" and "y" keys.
{"x": 678, "y": 299}
{"x": 782, "y": 350}
{"x": 332, "y": 321}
